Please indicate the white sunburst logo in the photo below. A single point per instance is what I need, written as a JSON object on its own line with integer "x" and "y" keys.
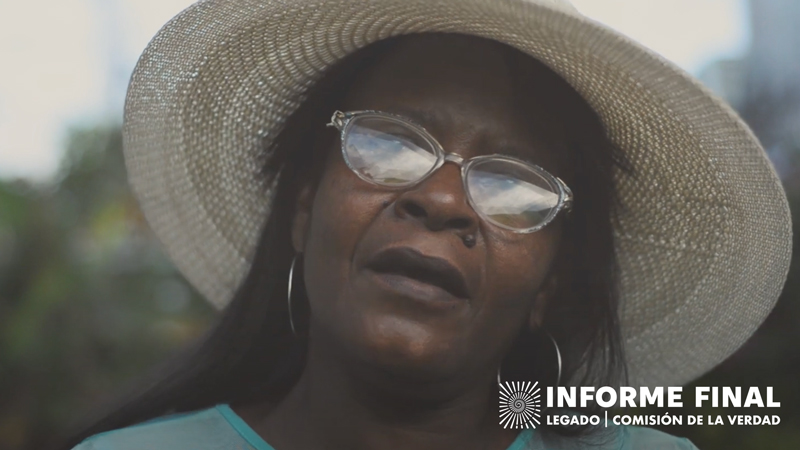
{"x": 520, "y": 404}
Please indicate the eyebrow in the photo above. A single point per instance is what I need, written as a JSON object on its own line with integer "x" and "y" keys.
{"x": 517, "y": 151}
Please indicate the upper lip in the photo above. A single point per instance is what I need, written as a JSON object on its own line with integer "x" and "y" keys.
{"x": 413, "y": 264}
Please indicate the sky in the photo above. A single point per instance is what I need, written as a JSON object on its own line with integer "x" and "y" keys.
{"x": 66, "y": 63}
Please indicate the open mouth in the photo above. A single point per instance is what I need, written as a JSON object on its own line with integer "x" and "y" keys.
{"x": 412, "y": 264}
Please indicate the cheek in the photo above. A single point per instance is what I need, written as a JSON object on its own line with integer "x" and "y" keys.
{"x": 519, "y": 266}
{"x": 343, "y": 209}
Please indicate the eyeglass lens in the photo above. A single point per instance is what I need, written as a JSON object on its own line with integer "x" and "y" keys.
{"x": 390, "y": 152}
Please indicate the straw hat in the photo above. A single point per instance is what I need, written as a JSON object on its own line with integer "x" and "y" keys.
{"x": 704, "y": 244}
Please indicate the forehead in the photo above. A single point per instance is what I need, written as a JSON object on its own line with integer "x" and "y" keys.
{"x": 454, "y": 71}
{"x": 468, "y": 89}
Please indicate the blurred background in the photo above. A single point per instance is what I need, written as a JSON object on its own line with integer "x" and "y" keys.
{"x": 88, "y": 300}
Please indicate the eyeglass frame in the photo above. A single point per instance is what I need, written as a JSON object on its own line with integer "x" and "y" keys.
{"x": 340, "y": 120}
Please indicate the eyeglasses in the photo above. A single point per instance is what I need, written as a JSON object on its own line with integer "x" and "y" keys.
{"x": 391, "y": 151}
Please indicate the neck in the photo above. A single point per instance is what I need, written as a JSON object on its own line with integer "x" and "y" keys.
{"x": 338, "y": 403}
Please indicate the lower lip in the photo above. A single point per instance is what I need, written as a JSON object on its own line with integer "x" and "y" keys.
{"x": 427, "y": 294}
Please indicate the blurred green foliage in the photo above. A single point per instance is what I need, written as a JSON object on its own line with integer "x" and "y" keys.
{"x": 89, "y": 301}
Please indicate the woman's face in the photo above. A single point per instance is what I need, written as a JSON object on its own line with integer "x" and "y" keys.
{"x": 390, "y": 280}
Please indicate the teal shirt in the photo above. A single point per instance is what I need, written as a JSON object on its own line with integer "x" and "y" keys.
{"x": 219, "y": 428}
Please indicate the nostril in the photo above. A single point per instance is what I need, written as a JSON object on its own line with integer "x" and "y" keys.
{"x": 435, "y": 212}
{"x": 414, "y": 209}
{"x": 459, "y": 223}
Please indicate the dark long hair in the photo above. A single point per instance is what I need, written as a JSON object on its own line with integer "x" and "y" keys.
{"x": 251, "y": 355}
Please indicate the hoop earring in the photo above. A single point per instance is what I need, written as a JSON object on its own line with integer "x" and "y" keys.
{"x": 558, "y": 358}
{"x": 289, "y": 295}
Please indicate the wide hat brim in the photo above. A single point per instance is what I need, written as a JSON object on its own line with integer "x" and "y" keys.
{"x": 704, "y": 241}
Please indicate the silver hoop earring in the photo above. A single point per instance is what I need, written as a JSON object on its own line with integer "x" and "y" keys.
{"x": 558, "y": 357}
{"x": 289, "y": 295}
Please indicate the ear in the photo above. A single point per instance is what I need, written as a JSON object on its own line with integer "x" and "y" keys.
{"x": 543, "y": 298}
{"x": 302, "y": 217}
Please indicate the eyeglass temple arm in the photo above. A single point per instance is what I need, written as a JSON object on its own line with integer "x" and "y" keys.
{"x": 568, "y": 198}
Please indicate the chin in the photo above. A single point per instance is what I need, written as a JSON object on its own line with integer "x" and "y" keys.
{"x": 406, "y": 347}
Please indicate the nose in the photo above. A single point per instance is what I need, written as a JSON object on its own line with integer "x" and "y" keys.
{"x": 439, "y": 203}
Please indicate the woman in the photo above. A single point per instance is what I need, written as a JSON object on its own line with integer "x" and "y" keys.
{"x": 510, "y": 192}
